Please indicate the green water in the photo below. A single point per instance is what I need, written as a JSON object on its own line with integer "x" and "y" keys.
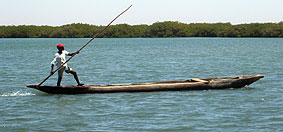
{"x": 120, "y": 61}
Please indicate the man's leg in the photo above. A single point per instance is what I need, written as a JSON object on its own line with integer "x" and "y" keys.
{"x": 59, "y": 81}
{"x": 60, "y": 76}
{"x": 74, "y": 73}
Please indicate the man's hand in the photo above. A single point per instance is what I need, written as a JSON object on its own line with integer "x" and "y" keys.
{"x": 71, "y": 54}
{"x": 52, "y": 72}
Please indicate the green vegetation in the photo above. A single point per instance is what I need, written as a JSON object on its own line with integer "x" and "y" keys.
{"x": 156, "y": 30}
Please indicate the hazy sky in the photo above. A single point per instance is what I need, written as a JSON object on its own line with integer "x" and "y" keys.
{"x": 100, "y": 12}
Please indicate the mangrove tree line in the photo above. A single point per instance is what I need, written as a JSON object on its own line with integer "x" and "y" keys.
{"x": 156, "y": 30}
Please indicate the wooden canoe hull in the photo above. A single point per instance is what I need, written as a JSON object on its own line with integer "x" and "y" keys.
{"x": 207, "y": 84}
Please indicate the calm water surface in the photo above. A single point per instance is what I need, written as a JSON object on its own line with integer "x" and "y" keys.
{"x": 258, "y": 107}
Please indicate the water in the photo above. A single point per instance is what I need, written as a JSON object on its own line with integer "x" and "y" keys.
{"x": 120, "y": 61}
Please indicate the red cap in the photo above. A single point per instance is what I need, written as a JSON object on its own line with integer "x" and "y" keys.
{"x": 60, "y": 45}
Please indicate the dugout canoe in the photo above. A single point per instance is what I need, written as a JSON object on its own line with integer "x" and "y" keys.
{"x": 191, "y": 84}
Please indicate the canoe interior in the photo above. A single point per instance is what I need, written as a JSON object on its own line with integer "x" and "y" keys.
{"x": 171, "y": 85}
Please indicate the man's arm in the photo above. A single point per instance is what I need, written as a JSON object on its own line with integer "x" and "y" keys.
{"x": 71, "y": 54}
{"x": 52, "y": 67}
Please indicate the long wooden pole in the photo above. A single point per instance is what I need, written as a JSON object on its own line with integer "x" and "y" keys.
{"x": 94, "y": 36}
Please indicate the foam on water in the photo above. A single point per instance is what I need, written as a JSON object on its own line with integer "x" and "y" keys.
{"x": 18, "y": 93}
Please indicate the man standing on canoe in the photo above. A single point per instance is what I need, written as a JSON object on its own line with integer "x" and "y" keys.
{"x": 59, "y": 58}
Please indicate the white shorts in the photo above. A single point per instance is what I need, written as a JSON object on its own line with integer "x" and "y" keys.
{"x": 62, "y": 69}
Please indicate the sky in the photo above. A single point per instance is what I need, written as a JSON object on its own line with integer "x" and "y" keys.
{"x": 101, "y": 12}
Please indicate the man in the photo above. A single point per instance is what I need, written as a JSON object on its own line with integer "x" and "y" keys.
{"x": 59, "y": 59}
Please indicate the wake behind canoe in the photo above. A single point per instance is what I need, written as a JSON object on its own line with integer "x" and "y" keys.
{"x": 191, "y": 84}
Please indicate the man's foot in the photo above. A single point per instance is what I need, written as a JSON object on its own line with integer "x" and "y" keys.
{"x": 81, "y": 84}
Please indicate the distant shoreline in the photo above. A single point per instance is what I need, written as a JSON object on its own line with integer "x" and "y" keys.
{"x": 167, "y": 29}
